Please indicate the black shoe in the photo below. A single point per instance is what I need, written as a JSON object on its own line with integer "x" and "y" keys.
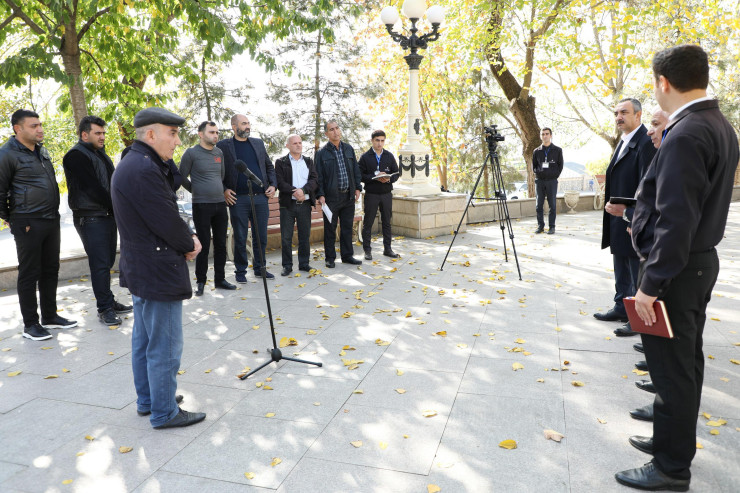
{"x": 224, "y": 284}
{"x": 178, "y": 399}
{"x": 109, "y": 317}
{"x": 625, "y": 331}
{"x": 351, "y": 260}
{"x": 648, "y": 477}
{"x": 551, "y": 231}
{"x": 286, "y": 271}
{"x": 268, "y": 275}
{"x": 644, "y": 413}
{"x": 641, "y": 365}
{"x": 58, "y": 323}
{"x": 643, "y": 444}
{"x": 183, "y": 418}
{"x": 330, "y": 264}
{"x": 305, "y": 268}
{"x": 120, "y": 308}
{"x": 368, "y": 255}
{"x": 241, "y": 278}
{"x": 638, "y": 347}
{"x": 645, "y": 385}
{"x": 611, "y": 316}
{"x": 36, "y": 333}
{"x": 540, "y": 229}
{"x": 200, "y": 288}
{"x": 391, "y": 254}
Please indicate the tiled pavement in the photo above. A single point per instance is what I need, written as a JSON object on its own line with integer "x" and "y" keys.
{"x": 388, "y": 314}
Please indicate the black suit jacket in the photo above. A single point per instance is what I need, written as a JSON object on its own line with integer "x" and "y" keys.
{"x": 622, "y": 178}
{"x": 230, "y": 172}
{"x": 284, "y": 173}
{"x": 682, "y": 203}
{"x": 369, "y": 164}
{"x": 326, "y": 167}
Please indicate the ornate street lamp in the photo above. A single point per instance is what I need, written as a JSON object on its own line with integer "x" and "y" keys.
{"x": 413, "y": 156}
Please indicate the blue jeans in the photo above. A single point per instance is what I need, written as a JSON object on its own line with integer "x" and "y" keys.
{"x": 156, "y": 348}
{"x": 99, "y": 237}
{"x": 241, "y": 218}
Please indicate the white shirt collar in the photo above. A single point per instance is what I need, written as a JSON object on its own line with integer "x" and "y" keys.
{"x": 626, "y": 138}
{"x": 678, "y": 111}
{"x": 294, "y": 159}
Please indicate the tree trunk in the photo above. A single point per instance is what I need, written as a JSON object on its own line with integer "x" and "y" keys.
{"x": 70, "y": 51}
{"x": 317, "y": 92}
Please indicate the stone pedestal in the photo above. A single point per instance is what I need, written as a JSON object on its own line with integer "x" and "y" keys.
{"x": 420, "y": 217}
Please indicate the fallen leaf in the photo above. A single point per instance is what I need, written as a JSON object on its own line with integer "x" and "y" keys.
{"x": 710, "y": 356}
{"x": 520, "y": 341}
{"x": 310, "y": 332}
{"x": 399, "y": 372}
{"x": 714, "y": 432}
{"x": 5, "y": 349}
{"x": 275, "y": 461}
{"x": 68, "y": 481}
{"x": 719, "y": 422}
{"x": 14, "y": 373}
{"x": 541, "y": 380}
{"x": 401, "y": 391}
{"x": 259, "y": 384}
{"x": 207, "y": 371}
{"x": 517, "y": 366}
{"x": 125, "y": 450}
{"x": 65, "y": 370}
{"x": 249, "y": 475}
{"x": 358, "y": 391}
{"x": 707, "y": 415}
{"x": 735, "y": 361}
{"x": 602, "y": 421}
{"x": 181, "y": 372}
{"x": 508, "y": 444}
{"x": 429, "y": 413}
{"x": 47, "y": 347}
{"x": 383, "y": 445}
{"x": 639, "y": 372}
{"x": 266, "y": 387}
{"x": 356, "y": 443}
{"x": 80, "y": 454}
{"x": 88, "y": 437}
{"x": 715, "y": 319}
{"x": 47, "y": 377}
{"x": 408, "y": 314}
{"x": 270, "y": 415}
{"x": 553, "y": 435}
{"x": 381, "y": 342}
{"x": 288, "y": 341}
{"x": 724, "y": 379}
{"x": 699, "y": 445}
{"x": 433, "y": 488}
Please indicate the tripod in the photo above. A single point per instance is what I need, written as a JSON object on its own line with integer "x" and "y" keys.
{"x": 275, "y": 353}
{"x": 501, "y": 208}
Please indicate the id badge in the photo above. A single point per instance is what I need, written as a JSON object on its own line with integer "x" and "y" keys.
{"x": 545, "y": 165}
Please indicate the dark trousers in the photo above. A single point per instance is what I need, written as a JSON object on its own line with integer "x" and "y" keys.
{"x": 549, "y": 189}
{"x": 373, "y": 201}
{"x": 291, "y": 215}
{"x": 241, "y": 218}
{"x": 343, "y": 212}
{"x": 38, "y": 263}
{"x": 677, "y": 365}
{"x": 626, "y": 269}
{"x": 99, "y": 237}
{"x": 209, "y": 217}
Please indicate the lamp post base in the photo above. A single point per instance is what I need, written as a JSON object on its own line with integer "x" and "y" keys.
{"x": 414, "y": 169}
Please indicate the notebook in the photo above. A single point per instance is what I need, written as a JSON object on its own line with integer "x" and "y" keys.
{"x": 661, "y": 328}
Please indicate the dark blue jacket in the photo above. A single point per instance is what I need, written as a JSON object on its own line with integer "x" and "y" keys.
{"x": 154, "y": 239}
{"x": 326, "y": 167}
{"x": 231, "y": 174}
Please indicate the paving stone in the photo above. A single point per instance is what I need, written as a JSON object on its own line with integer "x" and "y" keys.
{"x": 167, "y": 482}
{"x": 497, "y": 377}
{"x": 110, "y": 386}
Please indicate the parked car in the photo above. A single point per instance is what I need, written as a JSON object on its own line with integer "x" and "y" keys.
{"x": 186, "y": 212}
{"x": 520, "y": 191}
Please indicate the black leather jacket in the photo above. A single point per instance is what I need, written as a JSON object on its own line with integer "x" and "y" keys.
{"x": 88, "y": 173}
{"x": 28, "y": 186}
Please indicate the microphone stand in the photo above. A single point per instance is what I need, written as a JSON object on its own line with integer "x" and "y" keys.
{"x": 275, "y": 353}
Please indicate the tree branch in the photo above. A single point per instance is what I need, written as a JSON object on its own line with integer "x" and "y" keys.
{"x": 7, "y": 21}
{"x": 19, "y": 13}
{"x": 93, "y": 59}
{"x": 90, "y": 22}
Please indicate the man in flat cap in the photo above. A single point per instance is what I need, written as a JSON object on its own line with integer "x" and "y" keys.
{"x": 155, "y": 247}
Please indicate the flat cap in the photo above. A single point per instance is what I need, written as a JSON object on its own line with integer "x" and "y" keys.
{"x": 152, "y": 115}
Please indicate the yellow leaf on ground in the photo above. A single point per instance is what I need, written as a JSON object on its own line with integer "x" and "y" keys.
{"x": 356, "y": 443}
{"x": 207, "y": 371}
{"x": 639, "y": 372}
{"x": 429, "y": 413}
{"x": 14, "y": 373}
{"x": 399, "y": 372}
{"x": 6, "y": 349}
{"x": 735, "y": 361}
{"x": 266, "y": 387}
{"x": 433, "y": 488}
{"x": 517, "y": 366}
{"x": 383, "y": 445}
{"x": 47, "y": 377}
{"x": 353, "y": 367}
{"x": 401, "y": 391}
{"x": 249, "y": 475}
{"x": 125, "y": 450}
{"x": 710, "y": 356}
{"x": 707, "y": 415}
{"x": 520, "y": 341}
{"x": 358, "y": 391}
{"x": 310, "y": 332}
{"x": 462, "y": 345}
{"x": 288, "y": 341}
{"x": 553, "y": 435}
{"x": 408, "y": 314}
{"x": 68, "y": 481}
{"x": 724, "y": 379}
{"x": 270, "y": 415}
{"x": 181, "y": 372}
{"x": 65, "y": 370}
{"x": 501, "y": 291}
{"x": 718, "y": 422}
{"x": 275, "y": 461}
{"x": 577, "y": 383}
{"x": 715, "y": 319}
{"x": 47, "y": 347}
{"x": 541, "y": 380}
{"x": 602, "y": 421}
{"x": 508, "y": 444}
{"x": 89, "y": 437}
{"x": 699, "y": 445}
{"x": 714, "y": 432}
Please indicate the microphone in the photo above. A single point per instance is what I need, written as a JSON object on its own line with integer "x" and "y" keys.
{"x": 241, "y": 166}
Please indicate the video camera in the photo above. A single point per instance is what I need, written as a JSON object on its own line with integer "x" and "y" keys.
{"x": 492, "y": 133}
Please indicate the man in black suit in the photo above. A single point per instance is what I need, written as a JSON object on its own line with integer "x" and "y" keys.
{"x": 680, "y": 216}
{"x": 297, "y": 182}
{"x": 627, "y": 167}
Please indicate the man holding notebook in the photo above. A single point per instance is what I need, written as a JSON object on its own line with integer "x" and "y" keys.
{"x": 680, "y": 216}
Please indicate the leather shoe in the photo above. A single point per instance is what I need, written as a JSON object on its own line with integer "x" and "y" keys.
{"x": 286, "y": 271}
{"x": 643, "y": 444}
{"x": 625, "y": 331}
{"x": 611, "y": 316}
{"x": 178, "y": 399}
{"x": 638, "y": 347}
{"x": 351, "y": 260}
{"x": 648, "y": 477}
{"x": 644, "y": 413}
{"x": 199, "y": 290}
{"x": 330, "y": 264}
{"x": 268, "y": 275}
{"x": 305, "y": 268}
{"x": 224, "y": 284}
{"x": 391, "y": 254}
{"x": 551, "y": 231}
{"x": 540, "y": 229}
{"x": 182, "y": 418}
{"x": 641, "y": 365}
{"x": 645, "y": 385}
{"x": 368, "y": 255}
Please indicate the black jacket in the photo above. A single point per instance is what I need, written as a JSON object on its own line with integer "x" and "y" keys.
{"x": 231, "y": 174}
{"x": 88, "y": 173}
{"x": 153, "y": 237}
{"x": 369, "y": 164}
{"x": 28, "y": 186}
{"x": 622, "y": 179}
{"x": 683, "y": 201}
{"x": 554, "y": 160}
{"x": 284, "y": 173}
{"x": 326, "y": 167}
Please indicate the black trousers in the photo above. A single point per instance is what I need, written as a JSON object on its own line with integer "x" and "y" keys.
{"x": 343, "y": 212}
{"x": 38, "y": 264}
{"x": 677, "y": 365}
{"x": 207, "y": 217}
{"x": 291, "y": 215}
{"x": 373, "y": 202}
{"x": 549, "y": 189}
{"x": 99, "y": 237}
{"x": 626, "y": 269}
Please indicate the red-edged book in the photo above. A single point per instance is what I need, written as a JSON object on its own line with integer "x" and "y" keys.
{"x": 661, "y": 328}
